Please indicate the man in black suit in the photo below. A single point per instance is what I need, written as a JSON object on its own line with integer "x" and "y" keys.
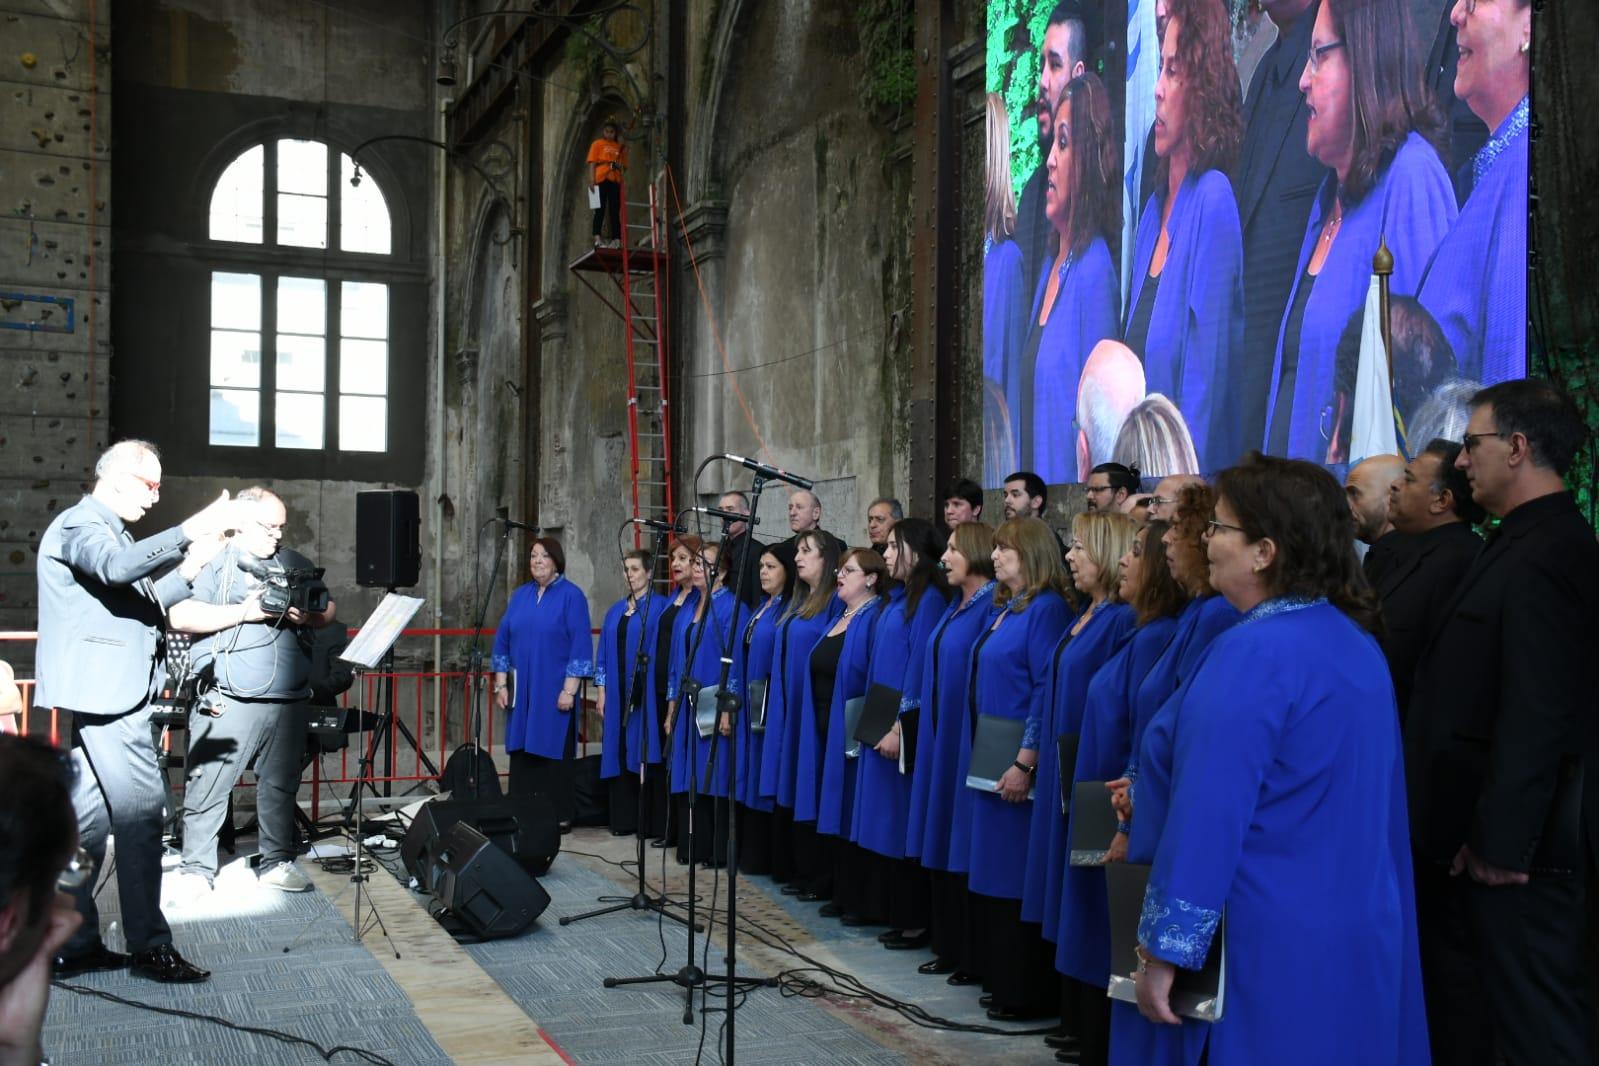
{"x": 1274, "y": 179}
{"x": 1500, "y": 730}
{"x": 1063, "y": 54}
{"x": 1431, "y": 504}
{"x": 1367, "y": 487}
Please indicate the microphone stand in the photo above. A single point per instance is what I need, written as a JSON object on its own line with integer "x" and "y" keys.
{"x": 641, "y": 900}
{"x": 474, "y": 668}
{"x": 691, "y": 976}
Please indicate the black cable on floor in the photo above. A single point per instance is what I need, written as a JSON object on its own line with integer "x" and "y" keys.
{"x": 272, "y": 1034}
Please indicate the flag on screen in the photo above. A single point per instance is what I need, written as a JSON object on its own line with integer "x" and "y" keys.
{"x": 1375, "y": 428}
{"x": 1143, "y": 56}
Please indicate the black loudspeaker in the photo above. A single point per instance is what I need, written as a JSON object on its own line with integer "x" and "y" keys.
{"x": 388, "y": 538}
{"x": 523, "y": 827}
{"x": 481, "y": 886}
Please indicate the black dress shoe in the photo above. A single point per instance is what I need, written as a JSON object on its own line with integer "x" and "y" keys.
{"x": 1007, "y": 1014}
{"x": 986, "y": 999}
{"x": 663, "y": 843}
{"x": 164, "y": 964}
{"x": 961, "y": 977}
{"x": 94, "y": 960}
{"x": 829, "y": 910}
{"x": 1069, "y": 1055}
{"x": 891, "y": 934}
{"x": 566, "y": 827}
{"x": 621, "y": 832}
{"x": 792, "y": 890}
{"x": 909, "y": 943}
{"x": 936, "y": 967}
{"x": 1063, "y": 1041}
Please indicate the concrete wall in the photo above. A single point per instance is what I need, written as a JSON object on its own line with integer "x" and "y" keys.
{"x": 55, "y": 175}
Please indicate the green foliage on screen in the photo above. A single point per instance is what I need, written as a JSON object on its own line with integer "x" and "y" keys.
{"x": 1014, "y": 75}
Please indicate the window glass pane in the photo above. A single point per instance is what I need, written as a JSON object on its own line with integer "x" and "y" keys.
{"x": 299, "y": 420}
{"x": 363, "y": 424}
{"x": 302, "y": 221}
{"x": 364, "y": 216}
{"x": 235, "y": 417}
{"x": 236, "y": 358}
{"x": 300, "y": 363}
{"x": 302, "y": 306}
{"x": 365, "y": 310}
{"x": 364, "y": 367}
{"x": 236, "y": 202}
{"x": 235, "y": 301}
{"x": 303, "y": 167}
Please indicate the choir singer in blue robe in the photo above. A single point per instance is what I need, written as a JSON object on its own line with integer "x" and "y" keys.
{"x": 1375, "y": 125}
{"x": 626, "y": 744}
{"x": 1185, "y": 307}
{"x": 1076, "y": 296}
{"x": 1004, "y": 303}
{"x": 756, "y": 650}
{"x": 1273, "y": 782}
{"x": 1010, "y": 673}
{"x": 1476, "y": 285}
{"x": 545, "y": 641}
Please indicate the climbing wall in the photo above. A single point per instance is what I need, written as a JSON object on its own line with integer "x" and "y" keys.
{"x": 55, "y": 181}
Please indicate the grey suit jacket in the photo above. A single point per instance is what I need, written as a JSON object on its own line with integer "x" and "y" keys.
{"x": 100, "y": 612}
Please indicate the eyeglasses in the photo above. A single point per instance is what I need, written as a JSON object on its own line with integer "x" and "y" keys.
{"x": 79, "y": 871}
{"x": 1469, "y": 441}
{"x": 1098, "y": 488}
{"x": 1318, "y": 51}
{"x": 153, "y": 486}
{"x": 1213, "y": 527}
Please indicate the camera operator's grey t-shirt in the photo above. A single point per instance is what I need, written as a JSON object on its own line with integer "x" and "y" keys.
{"x": 258, "y": 660}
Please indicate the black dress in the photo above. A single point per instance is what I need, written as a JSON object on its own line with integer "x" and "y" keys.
{"x": 624, "y": 786}
{"x": 814, "y": 852}
{"x": 658, "y": 801}
{"x": 754, "y": 826}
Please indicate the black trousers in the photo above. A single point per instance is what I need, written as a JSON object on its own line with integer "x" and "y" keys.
{"x": 1504, "y": 969}
{"x": 754, "y": 840}
{"x": 948, "y": 918}
{"x": 532, "y": 774}
{"x": 1016, "y": 962}
{"x": 610, "y": 209}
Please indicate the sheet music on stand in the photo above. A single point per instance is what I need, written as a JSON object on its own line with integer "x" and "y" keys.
{"x": 382, "y": 629}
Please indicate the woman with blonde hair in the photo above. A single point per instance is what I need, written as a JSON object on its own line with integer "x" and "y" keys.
{"x": 1154, "y": 439}
{"x": 1004, "y": 316}
{"x": 1009, "y": 677}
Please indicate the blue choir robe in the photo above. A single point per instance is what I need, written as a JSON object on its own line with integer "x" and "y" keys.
{"x": 1082, "y": 934}
{"x": 1201, "y": 621}
{"x": 691, "y": 753}
{"x": 824, "y": 791}
{"x": 1010, "y": 671}
{"x": 791, "y": 666}
{"x": 622, "y": 735}
{"x": 1476, "y": 285}
{"x": 756, "y": 650}
{"x": 1196, "y": 328}
{"x": 1287, "y": 810}
{"x": 1085, "y": 312}
{"x": 1074, "y": 661}
{"x": 941, "y": 722}
{"x": 545, "y": 640}
{"x": 1411, "y": 206}
{"x": 882, "y": 793}
{"x": 1004, "y": 343}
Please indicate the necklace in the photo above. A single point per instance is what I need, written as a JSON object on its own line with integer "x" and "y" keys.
{"x": 852, "y": 611}
{"x": 1330, "y": 230}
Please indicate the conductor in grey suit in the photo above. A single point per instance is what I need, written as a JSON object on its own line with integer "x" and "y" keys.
{"x": 102, "y": 596}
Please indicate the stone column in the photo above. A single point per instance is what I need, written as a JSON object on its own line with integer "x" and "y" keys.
{"x": 555, "y": 477}
{"x": 699, "y": 408}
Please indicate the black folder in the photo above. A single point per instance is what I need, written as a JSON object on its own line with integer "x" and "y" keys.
{"x": 1199, "y": 994}
{"x": 1066, "y": 752}
{"x": 994, "y": 748}
{"x": 1093, "y": 823}
{"x": 909, "y": 729}
{"x": 755, "y": 701}
{"x": 879, "y": 715}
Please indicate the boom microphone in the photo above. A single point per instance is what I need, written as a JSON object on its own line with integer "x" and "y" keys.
{"x": 771, "y": 473}
{"x": 657, "y": 525}
{"x": 726, "y": 516}
{"x": 512, "y": 524}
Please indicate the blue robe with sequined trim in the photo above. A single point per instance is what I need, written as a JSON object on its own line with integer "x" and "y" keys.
{"x": 1196, "y": 328}
{"x": 755, "y": 664}
{"x": 1082, "y": 929}
{"x": 1286, "y": 809}
{"x": 791, "y": 666}
{"x": 1085, "y": 312}
{"x": 1072, "y": 664}
{"x": 1010, "y": 671}
{"x": 545, "y": 639}
{"x": 616, "y": 678}
{"x": 824, "y": 792}
{"x": 1476, "y": 285}
{"x": 1004, "y": 343}
{"x": 1411, "y": 206}
{"x": 882, "y": 793}
{"x": 938, "y": 792}
{"x": 1200, "y": 622}
{"x": 689, "y": 749}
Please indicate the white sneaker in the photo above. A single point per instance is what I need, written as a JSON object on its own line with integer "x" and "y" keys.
{"x": 285, "y": 877}
{"x": 184, "y": 889}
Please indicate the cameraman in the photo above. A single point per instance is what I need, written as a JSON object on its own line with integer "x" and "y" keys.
{"x": 253, "y": 708}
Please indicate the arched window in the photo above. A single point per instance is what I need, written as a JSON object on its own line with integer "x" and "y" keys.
{"x": 300, "y": 347}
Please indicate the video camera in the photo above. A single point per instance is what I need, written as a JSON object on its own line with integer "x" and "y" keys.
{"x": 283, "y": 588}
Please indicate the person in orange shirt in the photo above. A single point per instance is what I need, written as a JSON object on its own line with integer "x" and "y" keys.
{"x": 608, "y": 158}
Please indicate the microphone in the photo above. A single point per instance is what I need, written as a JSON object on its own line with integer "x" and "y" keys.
{"x": 726, "y": 516}
{"x": 771, "y": 473}
{"x": 657, "y": 525}
{"x": 512, "y": 524}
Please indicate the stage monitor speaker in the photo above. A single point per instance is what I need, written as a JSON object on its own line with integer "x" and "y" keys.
{"x": 481, "y": 886}
{"x": 388, "y": 545}
{"x": 524, "y": 827}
